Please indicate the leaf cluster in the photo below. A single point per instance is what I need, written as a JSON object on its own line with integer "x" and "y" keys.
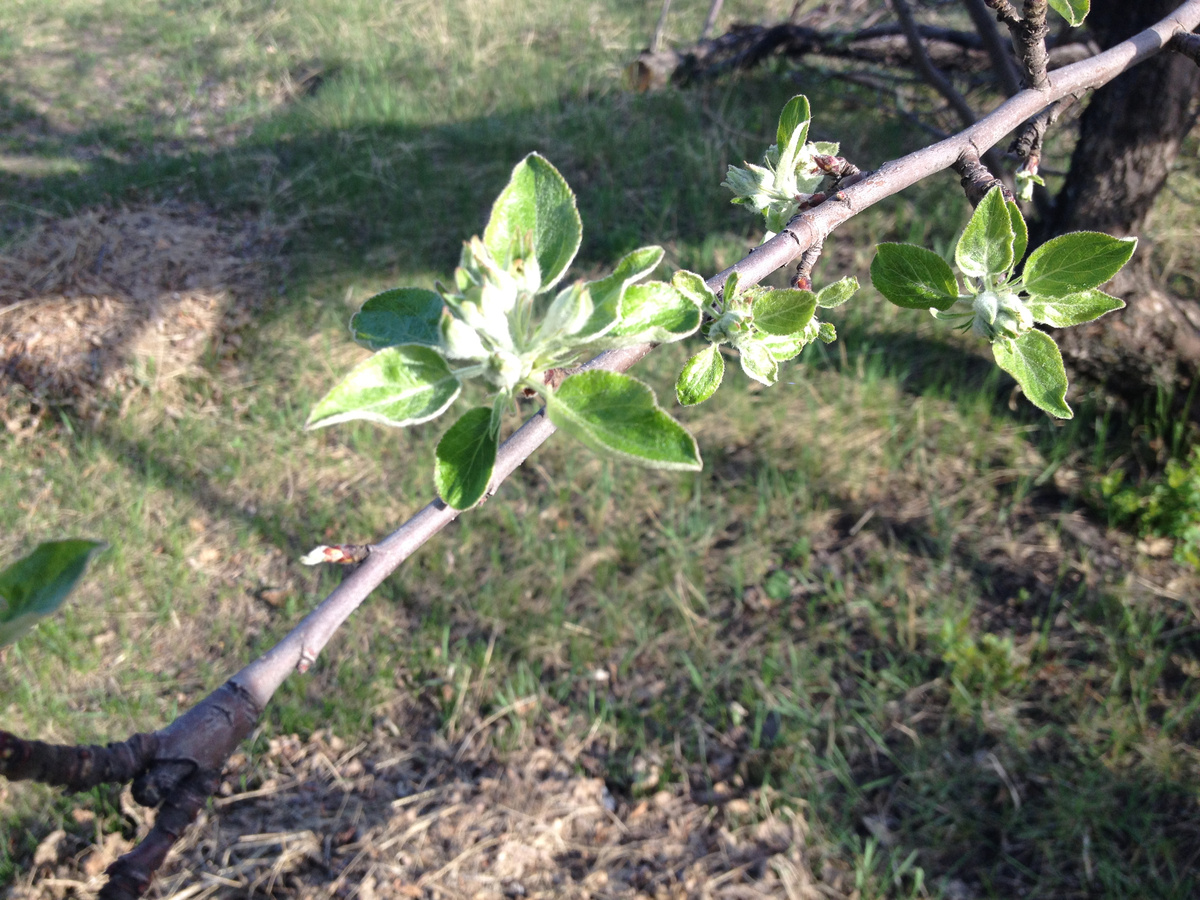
{"x": 765, "y": 326}
{"x": 1058, "y": 286}
{"x": 506, "y": 322}
{"x": 789, "y": 174}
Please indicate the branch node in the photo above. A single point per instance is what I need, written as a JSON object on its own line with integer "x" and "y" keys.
{"x": 802, "y": 279}
{"x": 1187, "y": 44}
{"x": 975, "y": 179}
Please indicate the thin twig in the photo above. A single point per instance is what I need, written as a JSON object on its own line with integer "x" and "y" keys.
{"x": 997, "y": 47}
{"x": 660, "y": 28}
{"x": 710, "y": 20}
{"x": 1027, "y": 145}
{"x": 803, "y": 277}
{"x": 1005, "y": 12}
{"x": 933, "y": 75}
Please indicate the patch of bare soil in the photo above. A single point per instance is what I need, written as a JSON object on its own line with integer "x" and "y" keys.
{"x": 102, "y": 302}
{"x": 401, "y": 817}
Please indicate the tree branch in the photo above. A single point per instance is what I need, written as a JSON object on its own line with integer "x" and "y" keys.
{"x": 1188, "y": 45}
{"x": 934, "y": 76}
{"x": 997, "y": 47}
{"x": 1029, "y": 39}
{"x": 1005, "y": 12}
{"x": 188, "y": 754}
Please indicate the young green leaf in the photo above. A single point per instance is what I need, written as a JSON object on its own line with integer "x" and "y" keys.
{"x": 466, "y": 455}
{"x": 1073, "y": 309}
{"x": 986, "y": 246}
{"x": 460, "y": 340}
{"x": 1034, "y": 361}
{"x": 700, "y": 377}
{"x": 731, "y": 290}
{"x": 784, "y": 311}
{"x": 1020, "y": 231}
{"x": 653, "y": 313}
{"x": 399, "y": 316}
{"x": 617, "y": 415}
{"x": 758, "y": 363}
{"x": 796, "y": 115}
{"x": 783, "y": 348}
{"x": 608, "y": 292}
{"x": 1074, "y": 11}
{"x": 833, "y": 295}
{"x": 568, "y": 314}
{"x": 535, "y": 213}
{"x": 1075, "y": 262}
{"x": 36, "y": 585}
{"x": 397, "y": 386}
{"x": 694, "y": 288}
{"x": 913, "y": 277}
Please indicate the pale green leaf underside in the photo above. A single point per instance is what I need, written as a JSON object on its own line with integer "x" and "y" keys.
{"x": 786, "y": 347}
{"x": 694, "y": 288}
{"x": 466, "y": 456}
{"x": 1020, "y": 231}
{"x": 1074, "y": 11}
{"x": 700, "y": 377}
{"x": 398, "y": 386}
{"x": 654, "y": 313}
{"x": 35, "y": 586}
{"x": 608, "y": 292}
{"x": 1035, "y": 362}
{"x": 617, "y": 415}
{"x": 833, "y": 295}
{"x": 758, "y": 363}
{"x": 536, "y": 210}
{"x": 1073, "y": 309}
{"x": 986, "y": 246}
{"x": 913, "y": 277}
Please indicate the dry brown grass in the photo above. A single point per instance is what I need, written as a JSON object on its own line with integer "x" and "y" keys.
{"x": 93, "y": 303}
{"x": 407, "y": 816}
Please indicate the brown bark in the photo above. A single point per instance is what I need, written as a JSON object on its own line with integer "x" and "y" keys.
{"x": 1130, "y": 135}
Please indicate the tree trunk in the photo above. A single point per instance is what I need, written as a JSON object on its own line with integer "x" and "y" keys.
{"x": 1130, "y": 135}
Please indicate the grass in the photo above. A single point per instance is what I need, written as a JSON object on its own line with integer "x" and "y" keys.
{"x": 886, "y": 590}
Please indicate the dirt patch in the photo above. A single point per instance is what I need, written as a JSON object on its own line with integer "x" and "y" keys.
{"x": 112, "y": 299}
{"x": 398, "y": 817}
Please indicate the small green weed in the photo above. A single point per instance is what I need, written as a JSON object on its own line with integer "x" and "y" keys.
{"x": 1168, "y": 506}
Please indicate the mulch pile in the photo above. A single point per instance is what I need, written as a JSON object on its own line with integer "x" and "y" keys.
{"x": 110, "y": 299}
{"x": 396, "y": 817}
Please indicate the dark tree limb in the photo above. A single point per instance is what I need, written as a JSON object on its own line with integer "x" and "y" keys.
{"x": 1188, "y": 45}
{"x": 75, "y": 768}
{"x": 746, "y": 46}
